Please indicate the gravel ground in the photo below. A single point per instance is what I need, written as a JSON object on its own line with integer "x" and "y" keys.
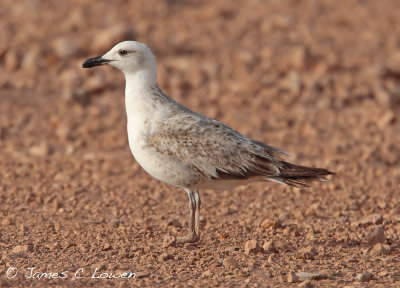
{"x": 319, "y": 79}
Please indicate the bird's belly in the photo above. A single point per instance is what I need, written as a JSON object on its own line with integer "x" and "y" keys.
{"x": 226, "y": 184}
{"x": 162, "y": 167}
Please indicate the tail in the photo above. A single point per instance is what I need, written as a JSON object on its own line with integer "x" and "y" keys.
{"x": 299, "y": 176}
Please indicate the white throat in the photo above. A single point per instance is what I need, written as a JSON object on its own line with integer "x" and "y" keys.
{"x": 136, "y": 88}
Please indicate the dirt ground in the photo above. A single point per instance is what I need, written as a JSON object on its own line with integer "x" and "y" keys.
{"x": 319, "y": 79}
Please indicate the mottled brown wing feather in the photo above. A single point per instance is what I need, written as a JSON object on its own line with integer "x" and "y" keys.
{"x": 212, "y": 148}
{"x": 217, "y": 151}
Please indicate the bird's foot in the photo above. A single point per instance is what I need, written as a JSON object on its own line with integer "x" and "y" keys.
{"x": 190, "y": 238}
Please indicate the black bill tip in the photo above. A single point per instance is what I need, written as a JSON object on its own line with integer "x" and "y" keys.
{"x": 95, "y": 61}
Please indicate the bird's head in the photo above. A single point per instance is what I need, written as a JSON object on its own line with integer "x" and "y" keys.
{"x": 128, "y": 56}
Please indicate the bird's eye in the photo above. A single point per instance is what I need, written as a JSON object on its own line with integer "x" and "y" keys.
{"x": 122, "y": 52}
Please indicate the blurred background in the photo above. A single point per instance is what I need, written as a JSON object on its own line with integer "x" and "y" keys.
{"x": 318, "y": 79}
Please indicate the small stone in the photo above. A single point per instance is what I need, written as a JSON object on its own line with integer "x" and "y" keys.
{"x": 305, "y": 276}
{"x": 232, "y": 249}
{"x": 292, "y": 277}
{"x": 381, "y": 249}
{"x": 328, "y": 272}
{"x": 106, "y": 246}
{"x": 190, "y": 246}
{"x": 22, "y": 229}
{"x": 322, "y": 251}
{"x": 165, "y": 257}
{"x": 175, "y": 223}
{"x": 354, "y": 206}
{"x": 99, "y": 266}
{"x": 63, "y": 132}
{"x": 272, "y": 258}
{"x": 308, "y": 253}
{"x": 40, "y": 150}
{"x": 282, "y": 21}
{"x": 298, "y": 57}
{"x": 376, "y": 235}
{"x": 306, "y": 284}
{"x": 207, "y": 274}
{"x": 364, "y": 277}
{"x": 383, "y": 273}
{"x": 229, "y": 262}
{"x": 382, "y": 204}
{"x": 65, "y": 48}
{"x": 140, "y": 275}
{"x": 269, "y": 246}
{"x": 11, "y": 60}
{"x": 292, "y": 83}
{"x": 169, "y": 241}
{"x": 30, "y": 61}
{"x": 112, "y": 35}
{"x": 388, "y": 118}
{"x": 268, "y": 223}
{"x": 251, "y": 247}
{"x": 371, "y": 219}
{"x": 23, "y": 248}
{"x": 7, "y": 221}
{"x": 95, "y": 85}
{"x": 381, "y": 95}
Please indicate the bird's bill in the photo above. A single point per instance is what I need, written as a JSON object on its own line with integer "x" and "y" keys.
{"x": 95, "y": 61}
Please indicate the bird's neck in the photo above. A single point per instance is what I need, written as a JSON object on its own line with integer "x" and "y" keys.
{"x": 140, "y": 80}
{"x": 144, "y": 100}
{"x": 137, "y": 87}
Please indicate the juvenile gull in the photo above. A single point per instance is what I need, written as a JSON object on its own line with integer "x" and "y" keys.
{"x": 186, "y": 149}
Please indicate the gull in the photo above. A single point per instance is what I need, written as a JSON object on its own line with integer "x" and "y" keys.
{"x": 186, "y": 149}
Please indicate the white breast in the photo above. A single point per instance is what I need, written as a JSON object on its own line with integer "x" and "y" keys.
{"x": 143, "y": 114}
{"x": 162, "y": 167}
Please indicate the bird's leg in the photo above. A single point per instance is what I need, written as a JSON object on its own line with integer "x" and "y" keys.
{"x": 191, "y": 237}
{"x": 197, "y": 214}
